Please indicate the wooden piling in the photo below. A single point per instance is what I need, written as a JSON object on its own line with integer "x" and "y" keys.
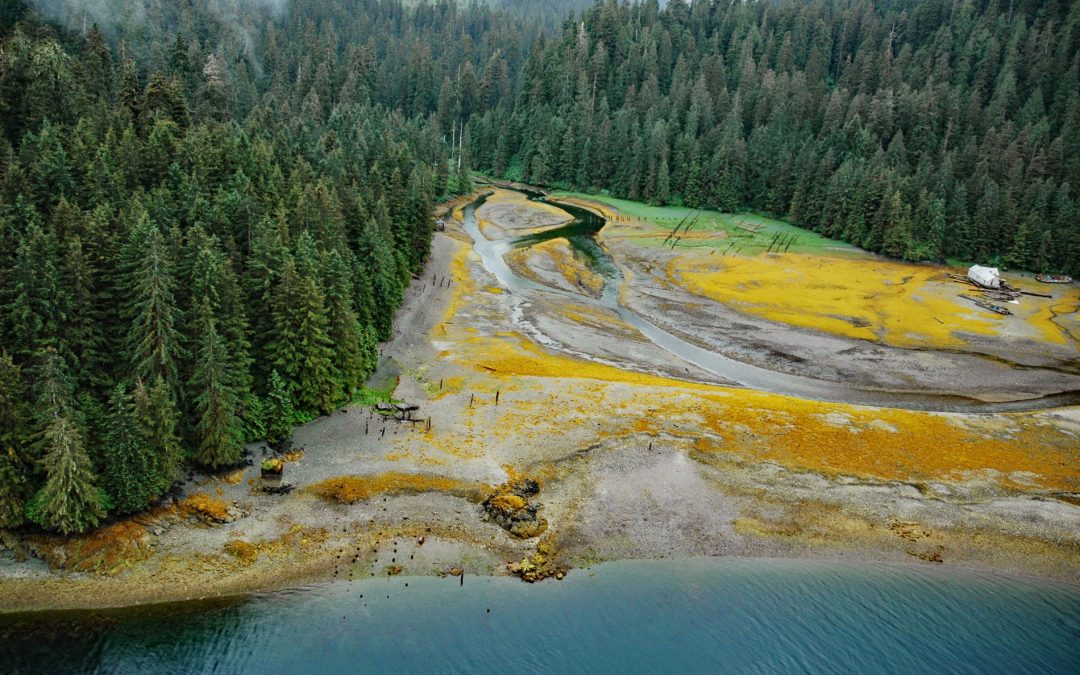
{"x": 768, "y": 249}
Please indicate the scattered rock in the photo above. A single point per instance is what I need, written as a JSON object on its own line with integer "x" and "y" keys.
{"x": 541, "y": 565}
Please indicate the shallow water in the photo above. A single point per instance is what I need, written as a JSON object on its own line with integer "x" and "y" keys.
{"x": 702, "y": 615}
{"x": 581, "y": 234}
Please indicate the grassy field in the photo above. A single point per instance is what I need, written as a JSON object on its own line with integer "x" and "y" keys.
{"x": 747, "y": 232}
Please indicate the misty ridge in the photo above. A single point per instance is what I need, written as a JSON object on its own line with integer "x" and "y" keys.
{"x": 127, "y": 20}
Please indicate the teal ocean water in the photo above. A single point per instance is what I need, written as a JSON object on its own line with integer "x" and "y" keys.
{"x": 709, "y": 615}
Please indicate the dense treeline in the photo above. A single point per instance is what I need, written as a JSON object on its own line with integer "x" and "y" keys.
{"x": 922, "y": 129}
{"x": 205, "y": 229}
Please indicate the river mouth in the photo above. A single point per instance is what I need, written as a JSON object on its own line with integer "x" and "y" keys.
{"x": 581, "y": 232}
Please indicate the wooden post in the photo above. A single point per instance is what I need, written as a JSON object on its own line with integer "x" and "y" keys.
{"x": 496, "y": 397}
{"x": 471, "y": 397}
{"x": 775, "y": 237}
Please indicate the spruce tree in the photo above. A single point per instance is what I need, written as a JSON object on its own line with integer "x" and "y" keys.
{"x": 70, "y": 500}
{"x": 344, "y": 331}
{"x": 132, "y": 474}
{"x": 218, "y": 429}
{"x": 301, "y": 350}
{"x": 37, "y": 306}
{"x": 280, "y": 415}
{"x": 15, "y": 472}
{"x": 158, "y": 420}
{"x": 153, "y": 340}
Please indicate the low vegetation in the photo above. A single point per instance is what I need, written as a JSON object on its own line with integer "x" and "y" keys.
{"x": 351, "y": 489}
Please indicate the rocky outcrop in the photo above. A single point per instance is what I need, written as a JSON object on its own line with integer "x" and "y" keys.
{"x": 510, "y": 507}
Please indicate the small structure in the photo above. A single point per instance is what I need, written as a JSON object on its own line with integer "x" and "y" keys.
{"x": 384, "y": 408}
{"x": 405, "y": 411}
{"x": 986, "y": 277}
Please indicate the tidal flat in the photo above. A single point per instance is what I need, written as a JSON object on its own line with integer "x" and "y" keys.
{"x": 553, "y": 433}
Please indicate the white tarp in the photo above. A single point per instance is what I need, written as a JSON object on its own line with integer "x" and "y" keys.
{"x": 987, "y": 277}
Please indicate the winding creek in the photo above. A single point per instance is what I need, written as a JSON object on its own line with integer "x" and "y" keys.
{"x": 581, "y": 231}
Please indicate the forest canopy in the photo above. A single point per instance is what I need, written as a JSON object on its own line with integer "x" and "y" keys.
{"x": 922, "y": 129}
{"x": 206, "y": 225}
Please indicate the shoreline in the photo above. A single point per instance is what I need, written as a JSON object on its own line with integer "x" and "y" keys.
{"x": 586, "y": 432}
{"x": 301, "y": 583}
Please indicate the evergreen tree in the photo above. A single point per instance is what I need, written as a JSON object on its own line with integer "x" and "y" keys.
{"x": 158, "y": 419}
{"x": 15, "y": 470}
{"x": 280, "y": 414}
{"x": 132, "y": 474}
{"x": 153, "y": 339}
{"x": 301, "y": 350}
{"x": 218, "y": 429}
{"x": 70, "y": 500}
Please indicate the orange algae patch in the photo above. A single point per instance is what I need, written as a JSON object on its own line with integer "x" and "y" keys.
{"x": 243, "y": 551}
{"x": 205, "y": 508}
{"x": 350, "y": 489}
{"x": 233, "y": 477}
{"x": 602, "y": 320}
{"x": 507, "y": 502}
{"x": 873, "y": 299}
{"x": 449, "y": 385}
{"x": 462, "y": 286}
{"x": 108, "y": 549}
{"x": 512, "y": 354}
{"x": 890, "y": 444}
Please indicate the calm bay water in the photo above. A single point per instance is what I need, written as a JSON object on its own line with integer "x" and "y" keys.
{"x": 713, "y": 615}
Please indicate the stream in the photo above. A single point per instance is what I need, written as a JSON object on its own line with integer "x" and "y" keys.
{"x": 581, "y": 233}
